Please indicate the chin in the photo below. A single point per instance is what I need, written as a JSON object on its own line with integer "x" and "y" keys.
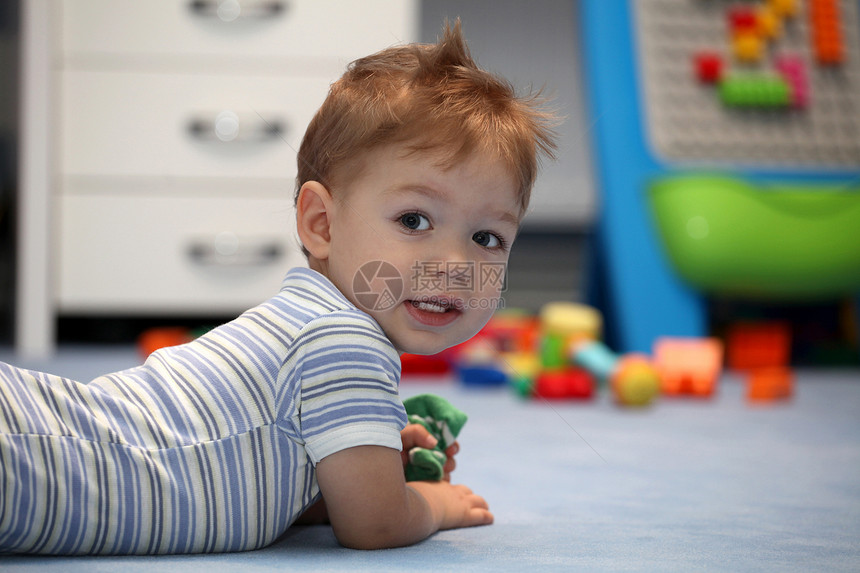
{"x": 433, "y": 345}
{"x": 422, "y": 349}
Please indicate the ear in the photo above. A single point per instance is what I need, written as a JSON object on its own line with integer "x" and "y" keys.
{"x": 312, "y": 219}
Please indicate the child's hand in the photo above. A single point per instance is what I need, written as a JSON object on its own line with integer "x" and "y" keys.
{"x": 454, "y": 505}
{"x": 417, "y": 436}
{"x": 371, "y": 506}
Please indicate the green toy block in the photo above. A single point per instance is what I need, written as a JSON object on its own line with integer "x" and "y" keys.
{"x": 552, "y": 352}
{"x": 523, "y": 386}
{"x": 755, "y": 90}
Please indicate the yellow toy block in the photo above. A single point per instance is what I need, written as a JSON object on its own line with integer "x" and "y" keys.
{"x": 785, "y": 8}
{"x": 748, "y": 47}
{"x": 571, "y": 320}
{"x": 521, "y": 364}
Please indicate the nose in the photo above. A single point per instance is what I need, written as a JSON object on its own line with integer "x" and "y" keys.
{"x": 455, "y": 256}
{"x": 449, "y": 263}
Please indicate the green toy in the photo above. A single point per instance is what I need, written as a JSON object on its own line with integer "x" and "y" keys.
{"x": 444, "y": 423}
{"x": 774, "y": 241}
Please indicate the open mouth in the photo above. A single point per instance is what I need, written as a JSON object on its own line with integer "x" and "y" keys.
{"x": 434, "y": 311}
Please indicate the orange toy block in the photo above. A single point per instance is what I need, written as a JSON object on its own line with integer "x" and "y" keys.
{"x": 768, "y": 22}
{"x": 769, "y": 384}
{"x": 156, "y": 338}
{"x": 758, "y": 345}
{"x": 825, "y": 21}
{"x": 786, "y": 8}
{"x": 688, "y": 366}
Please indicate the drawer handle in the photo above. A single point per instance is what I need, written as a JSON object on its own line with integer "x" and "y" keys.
{"x": 230, "y": 10}
{"x": 227, "y": 251}
{"x": 227, "y": 127}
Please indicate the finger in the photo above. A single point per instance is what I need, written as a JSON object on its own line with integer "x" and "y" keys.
{"x": 477, "y": 501}
{"x": 452, "y": 450}
{"x": 416, "y": 435}
{"x": 478, "y": 516}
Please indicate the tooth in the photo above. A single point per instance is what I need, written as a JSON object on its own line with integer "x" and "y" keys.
{"x": 429, "y": 307}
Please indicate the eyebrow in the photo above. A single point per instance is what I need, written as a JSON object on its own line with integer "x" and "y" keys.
{"x": 430, "y": 193}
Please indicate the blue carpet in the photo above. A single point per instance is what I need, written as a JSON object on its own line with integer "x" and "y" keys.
{"x": 687, "y": 485}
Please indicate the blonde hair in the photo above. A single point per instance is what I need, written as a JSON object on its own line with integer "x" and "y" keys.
{"x": 431, "y": 97}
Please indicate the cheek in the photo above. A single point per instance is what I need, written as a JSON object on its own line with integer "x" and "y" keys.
{"x": 491, "y": 279}
{"x": 355, "y": 243}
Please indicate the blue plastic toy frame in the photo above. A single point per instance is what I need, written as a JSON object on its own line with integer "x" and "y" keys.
{"x": 631, "y": 280}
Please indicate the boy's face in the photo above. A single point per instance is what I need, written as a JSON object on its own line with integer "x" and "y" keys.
{"x": 423, "y": 249}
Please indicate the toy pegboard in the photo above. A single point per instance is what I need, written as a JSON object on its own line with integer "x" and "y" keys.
{"x": 764, "y": 82}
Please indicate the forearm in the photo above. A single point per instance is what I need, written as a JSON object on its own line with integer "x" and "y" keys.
{"x": 371, "y": 506}
{"x": 397, "y": 525}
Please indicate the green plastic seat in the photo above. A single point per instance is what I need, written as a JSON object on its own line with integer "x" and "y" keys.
{"x": 790, "y": 242}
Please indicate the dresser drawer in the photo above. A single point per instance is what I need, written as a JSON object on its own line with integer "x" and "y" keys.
{"x": 161, "y": 124}
{"x": 186, "y": 256}
{"x": 300, "y": 30}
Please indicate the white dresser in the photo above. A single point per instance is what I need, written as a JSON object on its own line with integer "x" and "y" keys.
{"x": 171, "y": 147}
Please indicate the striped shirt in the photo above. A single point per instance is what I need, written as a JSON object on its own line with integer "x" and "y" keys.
{"x": 209, "y": 446}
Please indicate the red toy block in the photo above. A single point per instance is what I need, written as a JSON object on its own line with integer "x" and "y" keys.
{"x": 567, "y": 383}
{"x": 769, "y": 384}
{"x": 688, "y": 366}
{"x": 418, "y": 365}
{"x": 758, "y": 345}
{"x": 709, "y": 67}
{"x": 513, "y": 332}
{"x": 742, "y": 19}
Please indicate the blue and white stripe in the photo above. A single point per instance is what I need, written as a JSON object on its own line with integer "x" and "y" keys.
{"x": 208, "y": 446}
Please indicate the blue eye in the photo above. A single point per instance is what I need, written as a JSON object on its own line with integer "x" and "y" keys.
{"x": 489, "y": 240}
{"x": 415, "y": 221}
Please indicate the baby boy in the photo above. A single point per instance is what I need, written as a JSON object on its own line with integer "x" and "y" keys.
{"x": 413, "y": 178}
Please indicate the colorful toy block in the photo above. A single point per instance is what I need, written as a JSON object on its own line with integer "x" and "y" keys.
{"x": 512, "y": 331}
{"x": 752, "y": 345}
{"x": 560, "y": 324}
{"x": 742, "y": 20}
{"x": 635, "y": 382}
{"x": 688, "y": 366}
{"x": 825, "y": 22}
{"x": 482, "y": 375}
{"x": 770, "y": 384}
{"x": 574, "y": 383}
{"x": 418, "y": 365}
{"x": 793, "y": 70}
{"x": 596, "y": 357}
{"x": 631, "y": 377}
{"x": 748, "y": 47}
{"x": 521, "y": 368}
{"x": 571, "y": 320}
{"x": 552, "y": 351}
{"x": 768, "y": 23}
{"x": 155, "y": 338}
{"x": 785, "y": 8}
{"x": 709, "y": 67}
{"x": 755, "y": 90}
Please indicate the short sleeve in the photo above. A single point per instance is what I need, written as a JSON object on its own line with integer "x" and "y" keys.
{"x": 349, "y": 385}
